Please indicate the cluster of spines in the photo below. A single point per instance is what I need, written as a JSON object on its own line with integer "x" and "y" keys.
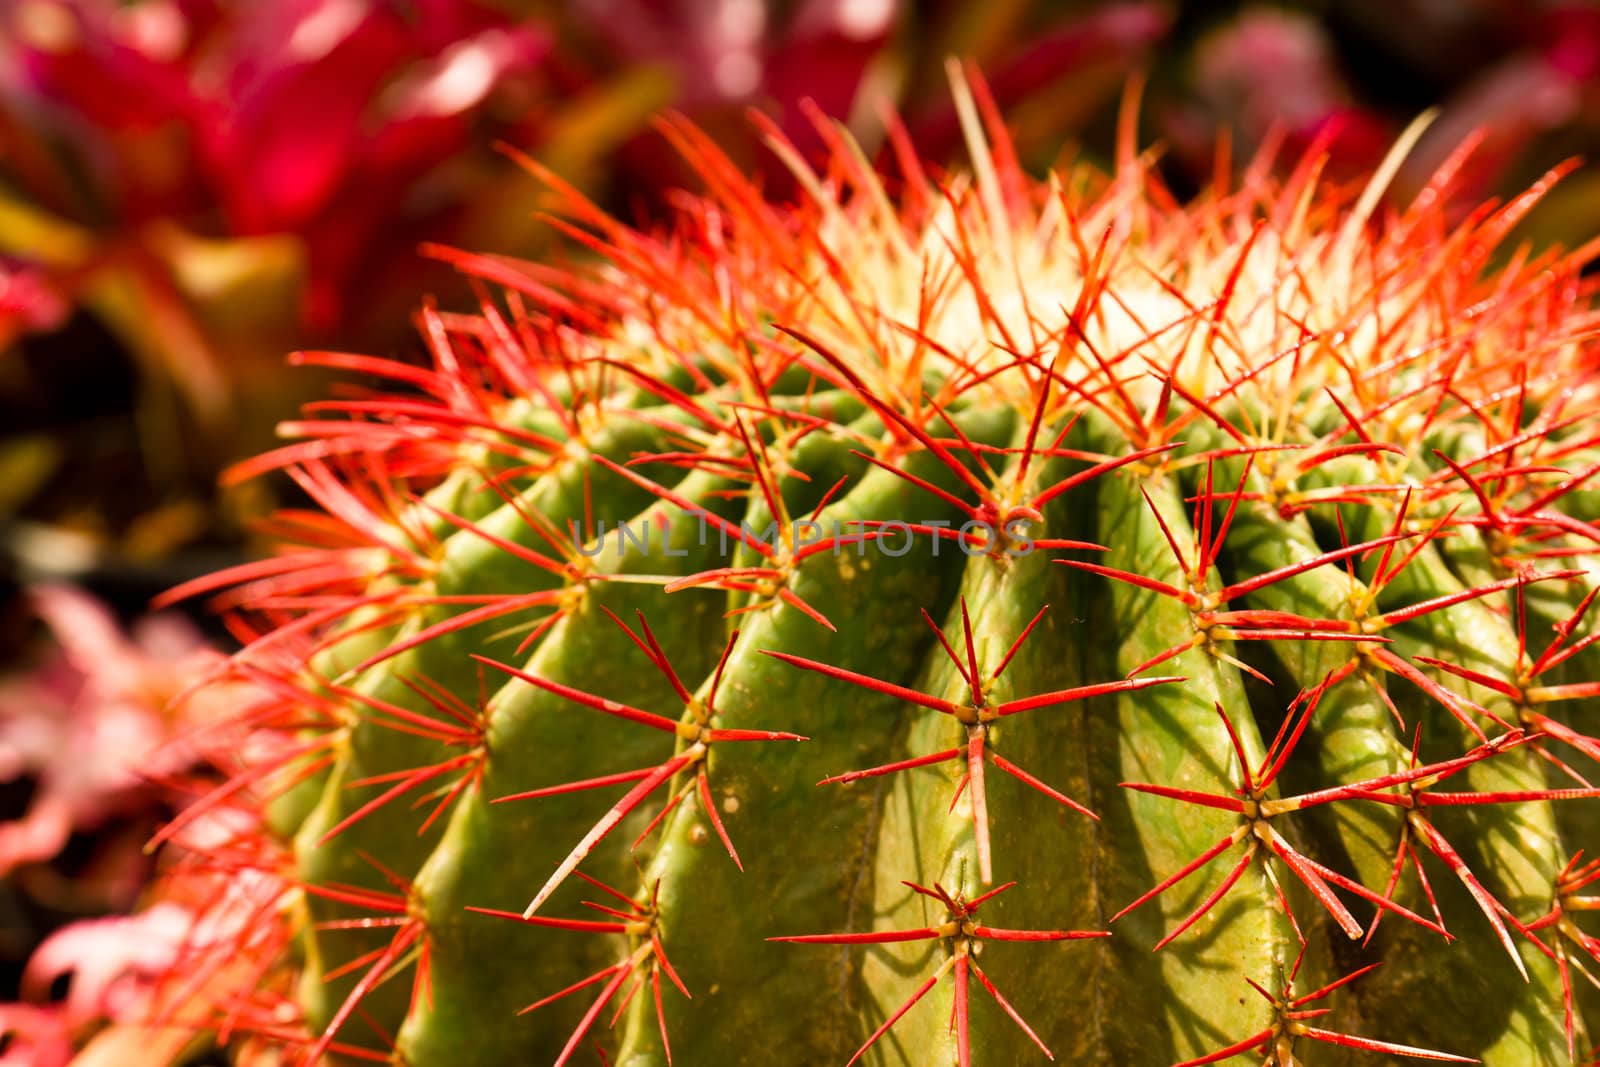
{"x": 517, "y": 396}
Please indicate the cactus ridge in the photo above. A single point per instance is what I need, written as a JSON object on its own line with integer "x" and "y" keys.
{"x": 674, "y": 669}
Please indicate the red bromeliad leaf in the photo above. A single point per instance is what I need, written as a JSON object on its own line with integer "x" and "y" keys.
{"x": 109, "y": 715}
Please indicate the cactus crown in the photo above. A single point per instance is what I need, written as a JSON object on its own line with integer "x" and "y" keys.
{"x": 696, "y": 655}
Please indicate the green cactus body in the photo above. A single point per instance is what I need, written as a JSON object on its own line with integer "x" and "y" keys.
{"x": 1045, "y": 614}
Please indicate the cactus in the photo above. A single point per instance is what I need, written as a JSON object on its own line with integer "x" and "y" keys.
{"x": 949, "y": 621}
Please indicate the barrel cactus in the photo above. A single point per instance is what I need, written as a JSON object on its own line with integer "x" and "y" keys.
{"x": 946, "y": 620}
